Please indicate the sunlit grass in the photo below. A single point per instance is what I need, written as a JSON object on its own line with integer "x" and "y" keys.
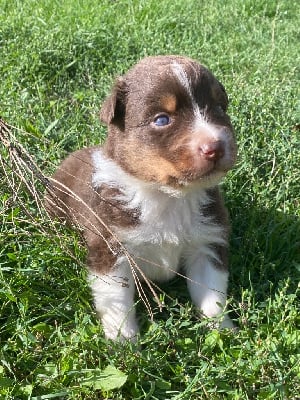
{"x": 58, "y": 60}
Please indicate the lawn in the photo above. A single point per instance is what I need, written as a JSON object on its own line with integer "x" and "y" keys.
{"x": 58, "y": 60}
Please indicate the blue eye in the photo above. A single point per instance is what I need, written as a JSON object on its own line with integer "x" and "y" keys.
{"x": 162, "y": 120}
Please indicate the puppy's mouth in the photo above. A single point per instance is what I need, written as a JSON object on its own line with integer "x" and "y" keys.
{"x": 211, "y": 175}
{"x": 202, "y": 163}
{"x": 205, "y": 178}
{"x": 197, "y": 171}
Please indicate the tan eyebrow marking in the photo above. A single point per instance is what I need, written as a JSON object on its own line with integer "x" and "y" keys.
{"x": 169, "y": 103}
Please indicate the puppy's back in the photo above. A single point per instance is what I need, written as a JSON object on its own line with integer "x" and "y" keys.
{"x": 70, "y": 186}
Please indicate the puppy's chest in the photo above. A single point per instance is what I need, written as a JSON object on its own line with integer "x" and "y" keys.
{"x": 167, "y": 224}
{"x": 164, "y": 220}
{"x": 168, "y": 230}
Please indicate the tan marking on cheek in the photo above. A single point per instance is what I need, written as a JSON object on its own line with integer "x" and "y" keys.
{"x": 169, "y": 103}
{"x": 157, "y": 169}
{"x": 164, "y": 170}
{"x": 148, "y": 165}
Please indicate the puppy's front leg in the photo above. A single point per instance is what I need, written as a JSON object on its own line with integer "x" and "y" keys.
{"x": 207, "y": 285}
{"x": 114, "y": 301}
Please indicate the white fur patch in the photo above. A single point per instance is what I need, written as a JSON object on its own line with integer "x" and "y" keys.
{"x": 215, "y": 133}
{"x": 200, "y": 122}
{"x": 114, "y": 301}
{"x": 182, "y": 77}
{"x": 170, "y": 225}
{"x": 172, "y": 228}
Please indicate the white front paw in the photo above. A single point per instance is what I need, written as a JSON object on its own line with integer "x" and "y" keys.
{"x": 121, "y": 330}
{"x": 220, "y": 322}
{"x": 226, "y": 323}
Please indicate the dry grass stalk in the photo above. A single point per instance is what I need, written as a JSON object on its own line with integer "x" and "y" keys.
{"x": 21, "y": 172}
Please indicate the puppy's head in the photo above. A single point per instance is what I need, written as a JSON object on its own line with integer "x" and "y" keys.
{"x": 167, "y": 123}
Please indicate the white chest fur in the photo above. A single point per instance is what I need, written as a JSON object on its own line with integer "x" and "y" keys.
{"x": 172, "y": 228}
{"x": 172, "y": 224}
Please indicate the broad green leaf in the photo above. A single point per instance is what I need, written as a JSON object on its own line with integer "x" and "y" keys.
{"x": 108, "y": 379}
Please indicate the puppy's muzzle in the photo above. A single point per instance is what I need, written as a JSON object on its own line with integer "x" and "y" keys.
{"x": 212, "y": 151}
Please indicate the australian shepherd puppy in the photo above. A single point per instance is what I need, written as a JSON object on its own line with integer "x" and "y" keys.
{"x": 148, "y": 200}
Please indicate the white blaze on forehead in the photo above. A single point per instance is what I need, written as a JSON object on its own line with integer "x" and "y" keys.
{"x": 208, "y": 131}
{"x": 185, "y": 81}
{"x": 201, "y": 127}
{"x": 181, "y": 74}
{"x": 200, "y": 122}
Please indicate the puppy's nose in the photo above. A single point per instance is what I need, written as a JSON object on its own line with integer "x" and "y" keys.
{"x": 213, "y": 151}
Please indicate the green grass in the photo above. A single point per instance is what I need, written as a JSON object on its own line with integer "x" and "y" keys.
{"x": 57, "y": 62}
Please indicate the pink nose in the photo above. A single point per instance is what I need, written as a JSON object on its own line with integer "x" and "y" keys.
{"x": 212, "y": 151}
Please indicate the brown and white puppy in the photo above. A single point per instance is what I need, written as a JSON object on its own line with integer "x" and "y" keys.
{"x": 154, "y": 185}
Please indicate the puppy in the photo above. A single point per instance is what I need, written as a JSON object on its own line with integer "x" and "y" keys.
{"x": 147, "y": 200}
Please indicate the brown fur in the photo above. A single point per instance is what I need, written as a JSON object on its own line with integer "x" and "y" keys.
{"x": 75, "y": 173}
{"x": 129, "y": 110}
{"x": 167, "y": 156}
{"x": 219, "y": 214}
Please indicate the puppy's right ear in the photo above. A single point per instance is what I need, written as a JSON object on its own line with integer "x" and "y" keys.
{"x": 114, "y": 107}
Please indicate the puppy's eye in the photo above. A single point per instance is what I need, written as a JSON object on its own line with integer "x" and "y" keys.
{"x": 162, "y": 120}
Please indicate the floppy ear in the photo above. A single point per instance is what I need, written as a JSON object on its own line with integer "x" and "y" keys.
{"x": 114, "y": 106}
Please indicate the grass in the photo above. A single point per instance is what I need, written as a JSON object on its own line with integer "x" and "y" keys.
{"x": 58, "y": 60}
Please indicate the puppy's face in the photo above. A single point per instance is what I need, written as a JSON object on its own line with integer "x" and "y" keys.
{"x": 168, "y": 123}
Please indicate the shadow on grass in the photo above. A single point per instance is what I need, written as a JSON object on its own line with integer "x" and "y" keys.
{"x": 264, "y": 255}
{"x": 265, "y": 250}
